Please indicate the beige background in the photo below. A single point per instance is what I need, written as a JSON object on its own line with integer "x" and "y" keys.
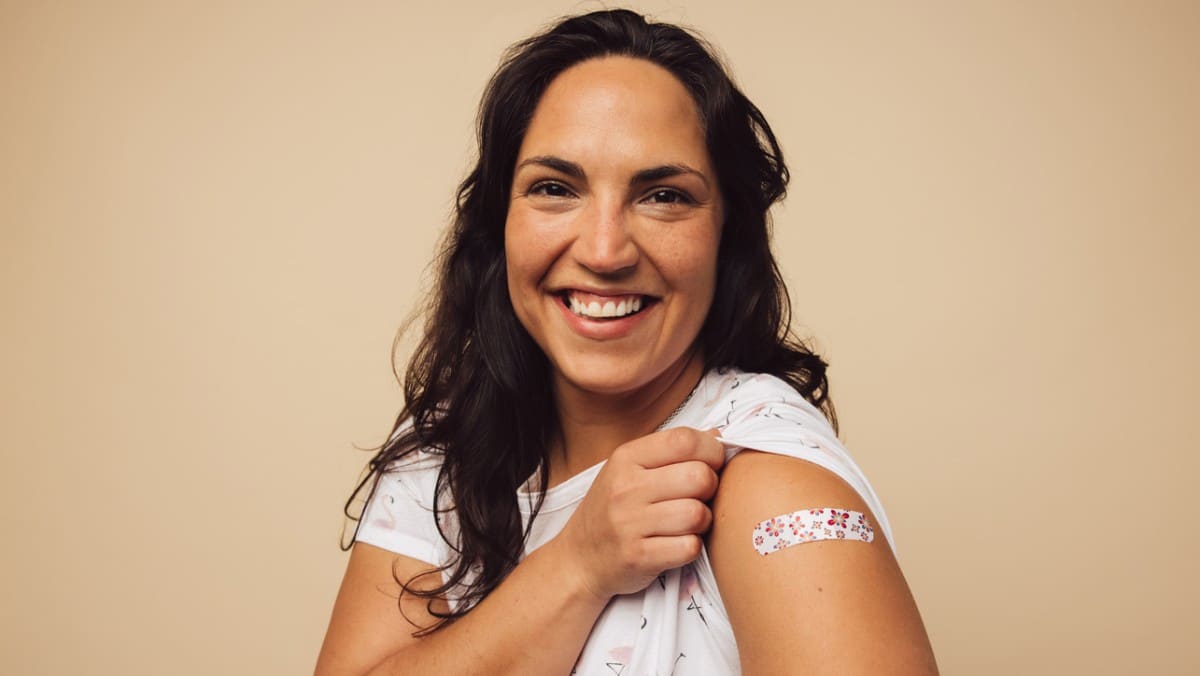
{"x": 215, "y": 216}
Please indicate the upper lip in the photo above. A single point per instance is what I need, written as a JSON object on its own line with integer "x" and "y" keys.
{"x": 597, "y": 291}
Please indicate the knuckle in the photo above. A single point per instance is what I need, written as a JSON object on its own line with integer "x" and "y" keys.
{"x": 715, "y": 453}
{"x": 701, "y": 480}
{"x": 620, "y": 455}
{"x": 679, "y": 439}
{"x": 697, "y": 475}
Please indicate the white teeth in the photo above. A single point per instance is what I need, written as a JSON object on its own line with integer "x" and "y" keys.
{"x": 594, "y": 309}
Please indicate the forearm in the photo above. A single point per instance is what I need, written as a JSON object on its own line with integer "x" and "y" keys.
{"x": 535, "y": 622}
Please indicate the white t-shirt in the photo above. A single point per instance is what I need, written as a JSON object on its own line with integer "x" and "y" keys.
{"x": 678, "y": 624}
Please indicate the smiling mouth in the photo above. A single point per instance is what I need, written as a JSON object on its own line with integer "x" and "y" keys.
{"x": 615, "y": 307}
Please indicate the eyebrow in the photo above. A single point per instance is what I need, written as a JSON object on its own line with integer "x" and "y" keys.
{"x": 644, "y": 176}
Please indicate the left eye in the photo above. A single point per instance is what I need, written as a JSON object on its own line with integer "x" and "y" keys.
{"x": 668, "y": 197}
{"x": 549, "y": 189}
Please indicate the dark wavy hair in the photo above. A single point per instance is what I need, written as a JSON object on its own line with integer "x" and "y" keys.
{"x": 477, "y": 388}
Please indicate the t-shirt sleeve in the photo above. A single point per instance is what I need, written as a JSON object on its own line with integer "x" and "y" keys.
{"x": 399, "y": 516}
{"x": 764, "y": 414}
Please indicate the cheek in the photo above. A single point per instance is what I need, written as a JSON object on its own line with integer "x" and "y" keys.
{"x": 696, "y": 269}
{"x": 533, "y": 243}
{"x": 513, "y": 262}
{"x": 528, "y": 257}
{"x": 516, "y": 247}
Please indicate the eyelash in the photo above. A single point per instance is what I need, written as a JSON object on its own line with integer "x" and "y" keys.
{"x": 678, "y": 196}
{"x": 538, "y": 188}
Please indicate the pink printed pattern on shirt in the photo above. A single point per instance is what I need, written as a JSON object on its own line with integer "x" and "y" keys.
{"x": 810, "y": 525}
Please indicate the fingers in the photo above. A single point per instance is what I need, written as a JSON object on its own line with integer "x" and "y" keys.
{"x": 677, "y": 517}
{"x": 645, "y": 512}
{"x": 674, "y": 551}
{"x": 676, "y": 445}
{"x": 688, "y": 479}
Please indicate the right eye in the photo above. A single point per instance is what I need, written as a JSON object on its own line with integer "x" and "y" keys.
{"x": 550, "y": 189}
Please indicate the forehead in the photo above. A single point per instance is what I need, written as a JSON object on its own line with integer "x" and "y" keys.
{"x": 615, "y": 107}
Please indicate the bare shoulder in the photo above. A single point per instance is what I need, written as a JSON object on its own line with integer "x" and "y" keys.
{"x": 818, "y": 602}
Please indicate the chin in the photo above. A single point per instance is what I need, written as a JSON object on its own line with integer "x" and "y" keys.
{"x": 615, "y": 374}
{"x": 602, "y": 374}
{"x": 610, "y": 385}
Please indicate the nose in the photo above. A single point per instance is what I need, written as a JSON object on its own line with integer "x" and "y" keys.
{"x": 604, "y": 243}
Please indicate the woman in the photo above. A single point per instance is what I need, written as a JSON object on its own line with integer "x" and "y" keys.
{"x": 608, "y": 339}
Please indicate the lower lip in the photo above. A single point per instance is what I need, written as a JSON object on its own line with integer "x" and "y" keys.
{"x": 603, "y": 329}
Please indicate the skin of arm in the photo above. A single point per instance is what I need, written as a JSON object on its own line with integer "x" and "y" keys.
{"x": 826, "y": 607}
{"x": 367, "y": 634}
{"x": 644, "y": 513}
{"x": 366, "y": 624}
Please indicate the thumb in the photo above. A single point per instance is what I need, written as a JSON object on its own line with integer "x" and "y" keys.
{"x": 715, "y": 433}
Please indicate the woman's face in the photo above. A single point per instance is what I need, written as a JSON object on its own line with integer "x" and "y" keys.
{"x": 613, "y": 226}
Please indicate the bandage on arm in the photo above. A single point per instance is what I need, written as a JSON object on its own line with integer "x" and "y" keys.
{"x": 811, "y": 525}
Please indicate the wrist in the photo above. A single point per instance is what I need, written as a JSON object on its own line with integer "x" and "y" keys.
{"x": 578, "y": 584}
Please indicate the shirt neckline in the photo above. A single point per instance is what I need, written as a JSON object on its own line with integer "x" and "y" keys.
{"x": 575, "y": 487}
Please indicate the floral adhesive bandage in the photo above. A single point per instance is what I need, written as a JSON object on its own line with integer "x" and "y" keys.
{"x": 811, "y": 525}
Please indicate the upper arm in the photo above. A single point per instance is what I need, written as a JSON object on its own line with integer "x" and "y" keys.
{"x": 827, "y": 607}
{"x": 367, "y": 624}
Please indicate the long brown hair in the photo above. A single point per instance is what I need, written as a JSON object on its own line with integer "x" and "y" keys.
{"x": 477, "y": 388}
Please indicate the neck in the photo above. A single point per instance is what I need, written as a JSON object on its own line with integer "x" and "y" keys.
{"x": 593, "y": 425}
